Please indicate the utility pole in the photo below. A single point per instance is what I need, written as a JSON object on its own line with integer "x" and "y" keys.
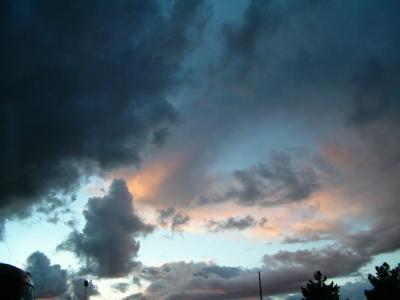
{"x": 259, "y": 283}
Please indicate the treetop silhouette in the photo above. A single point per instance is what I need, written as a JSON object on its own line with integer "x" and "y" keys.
{"x": 386, "y": 283}
{"x": 319, "y": 290}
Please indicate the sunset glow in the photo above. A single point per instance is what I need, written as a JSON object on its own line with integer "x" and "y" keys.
{"x": 176, "y": 149}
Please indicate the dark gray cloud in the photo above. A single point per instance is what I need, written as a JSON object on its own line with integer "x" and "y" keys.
{"x": 353, "y": 251}
{"x": 282, "y": 181}
{"x": 305, "y": 238}
{"x": 324, "y": 259}
{"x": 382, "y": 237}
{"x": 170, "y": 217}
{"x": 221, "y": 271}
{"x": 83, "y": 89}
{"x": 296, "y": 40}
{"x": 107, "y": 244}
{"x": 377, "y": 95}
{"x": 285, "y": 179}
{"x": 164, "y": 215}
{"x": 232, "y": 224}
{"x": 179, "y": 220}
{"x": 260, "y": 18}
{"x": 159, "y": 136}
{"x": 50, "y": 280}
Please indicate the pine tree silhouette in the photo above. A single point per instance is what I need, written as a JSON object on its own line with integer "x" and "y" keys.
{"x": 319, "y": 290}
{"x": 386, "y": 283}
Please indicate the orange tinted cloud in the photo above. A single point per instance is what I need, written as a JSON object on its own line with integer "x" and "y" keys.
{"x": 310, "y": 226}
{"x": 145, "y": 183}
{"x": 335, "y": 203}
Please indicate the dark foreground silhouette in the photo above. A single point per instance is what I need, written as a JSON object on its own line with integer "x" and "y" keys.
{"x": 386, "y": 283}
{"x": 319, "y": 290}
{"x": 386, "y": 286}
{"x": 15, "y": 284}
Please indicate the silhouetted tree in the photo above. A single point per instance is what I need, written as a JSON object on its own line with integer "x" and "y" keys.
{"x": 386, "y": 283}
{"x": 319, "y": 290}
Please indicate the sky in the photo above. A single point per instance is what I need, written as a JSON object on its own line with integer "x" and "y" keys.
{"x": 171, "y": 150}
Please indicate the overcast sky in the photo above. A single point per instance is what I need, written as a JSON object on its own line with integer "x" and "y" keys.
{"x": 170, "y": 150}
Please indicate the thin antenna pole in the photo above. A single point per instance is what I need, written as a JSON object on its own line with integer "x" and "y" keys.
{"x": 259, "y": 283}
{"x": 85, "y": 284}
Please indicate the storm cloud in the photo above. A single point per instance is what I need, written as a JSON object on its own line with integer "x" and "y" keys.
{"x": 107, "y": 245}
{"x": 50, "y": 280}
{"x": 83, "y": 89}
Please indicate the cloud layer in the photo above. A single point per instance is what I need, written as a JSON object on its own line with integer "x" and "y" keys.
{"x": 282, "y": 272}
